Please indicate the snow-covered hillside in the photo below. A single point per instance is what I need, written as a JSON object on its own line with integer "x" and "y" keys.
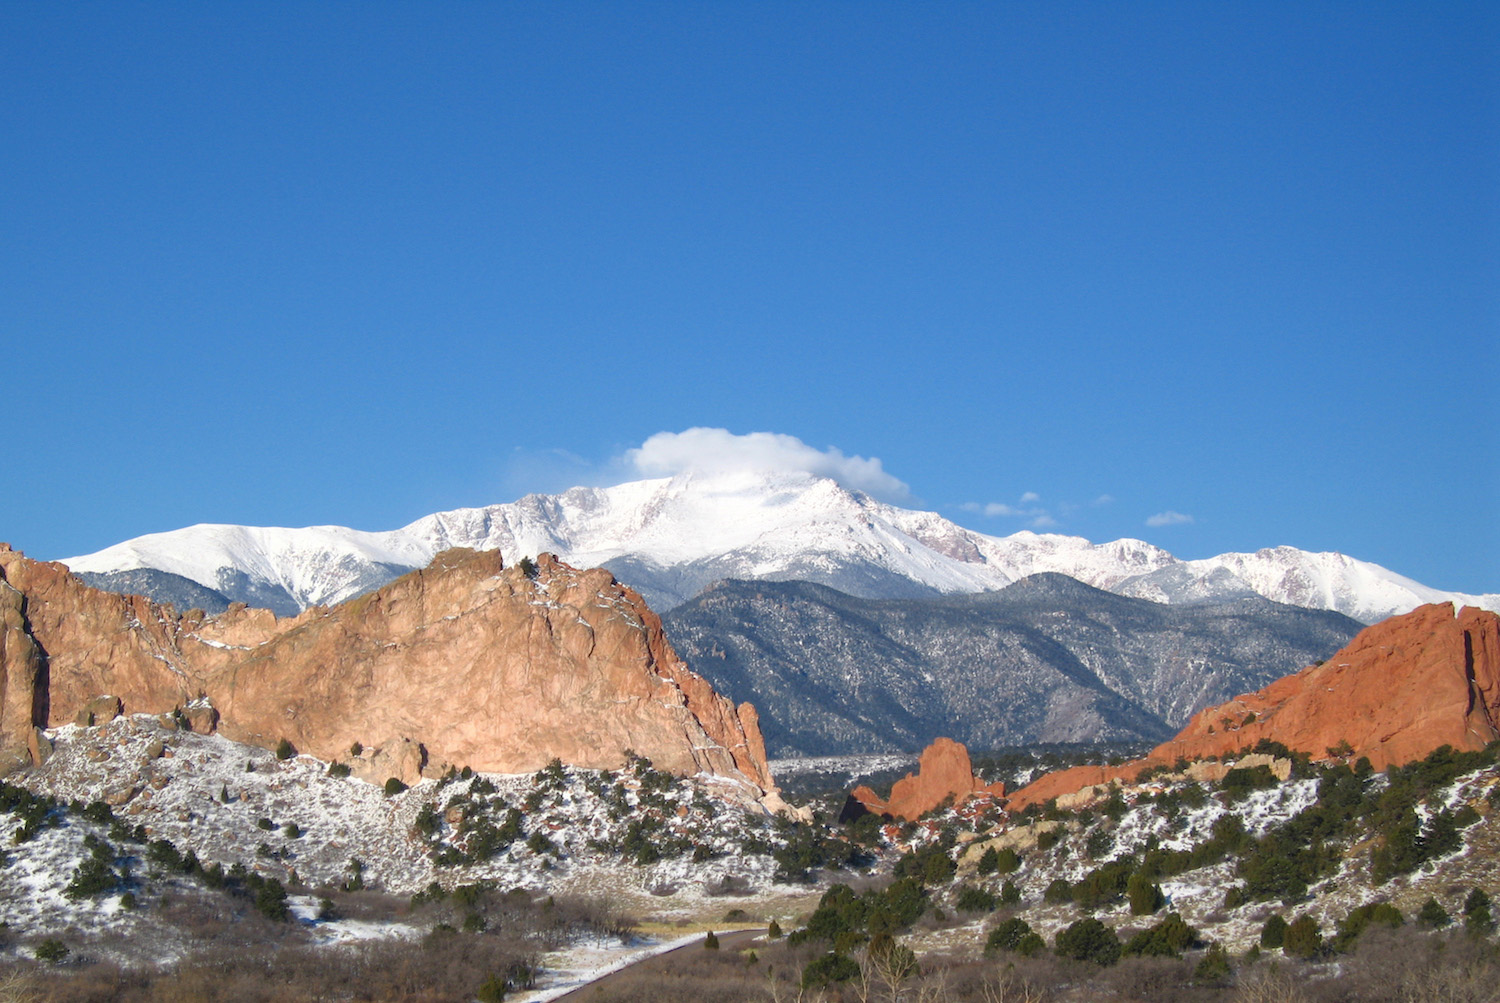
{"x": 670, "y": 537}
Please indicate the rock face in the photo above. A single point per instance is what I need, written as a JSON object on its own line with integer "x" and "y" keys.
{"x": 943, "y": 772}
{"x": 466, "y": 661}
{"x": 1399, "y": 690}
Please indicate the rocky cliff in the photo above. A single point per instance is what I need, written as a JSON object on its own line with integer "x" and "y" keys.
{"x": 944, "y": 773}
{"x": 1396, "y": 692}
{"x": 465, "y": 662}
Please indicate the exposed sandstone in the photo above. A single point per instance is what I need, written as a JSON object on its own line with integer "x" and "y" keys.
{"x": 943, "y": 773}
{"x": 1399, "y": 690}
{"x": 465, "y": 662}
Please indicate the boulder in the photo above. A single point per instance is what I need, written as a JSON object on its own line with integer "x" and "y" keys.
{"x": 99, "y": 710}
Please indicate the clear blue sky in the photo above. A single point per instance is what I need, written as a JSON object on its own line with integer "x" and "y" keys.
{"x": 292, "y": 264}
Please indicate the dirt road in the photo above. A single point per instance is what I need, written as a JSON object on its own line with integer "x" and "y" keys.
{"x": 730, "y": 940}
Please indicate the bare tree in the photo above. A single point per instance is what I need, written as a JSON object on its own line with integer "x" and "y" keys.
{"x": 1269, "y": 985}
{"x": 18, "y": 987}
{"x": 1009, "y": 988}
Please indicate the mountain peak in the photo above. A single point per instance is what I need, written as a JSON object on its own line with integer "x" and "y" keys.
{"x": 671, "y": 536}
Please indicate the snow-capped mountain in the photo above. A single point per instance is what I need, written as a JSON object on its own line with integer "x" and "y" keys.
{"x": 671, "y": 537}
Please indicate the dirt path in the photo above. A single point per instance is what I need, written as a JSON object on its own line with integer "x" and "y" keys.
{"x": 730, "y": 940}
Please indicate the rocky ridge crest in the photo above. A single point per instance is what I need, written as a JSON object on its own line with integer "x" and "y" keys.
{"x": 464, "y": 662}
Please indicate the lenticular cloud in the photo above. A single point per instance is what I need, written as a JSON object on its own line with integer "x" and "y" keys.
{"x": 717, "y": 449}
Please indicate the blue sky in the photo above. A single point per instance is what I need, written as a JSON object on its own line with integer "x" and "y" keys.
{"x": 292, "y": 264}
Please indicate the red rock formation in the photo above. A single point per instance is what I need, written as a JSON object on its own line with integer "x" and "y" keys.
{"x": 943, "y": 772}
{"x": 475, "y": 663}
{"x": 1399, "y": 690}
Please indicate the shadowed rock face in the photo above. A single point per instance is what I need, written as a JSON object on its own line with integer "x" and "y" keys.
{"x": 465, "y": 662}
{"x": 1399, "y": 690}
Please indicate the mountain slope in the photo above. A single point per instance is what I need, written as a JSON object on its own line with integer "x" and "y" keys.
{"x": 670, "y": 538}
{"x": 1046, "y": 659}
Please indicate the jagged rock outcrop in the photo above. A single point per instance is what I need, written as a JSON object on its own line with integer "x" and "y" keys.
{"x": 1399, "y": 690}
{"x": 467, "y": 661}
{"x": 943, "y": 773}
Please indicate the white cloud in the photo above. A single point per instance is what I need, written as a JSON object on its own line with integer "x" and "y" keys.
{"x": 1026, "y": 508}
{"x": 1168, "y": 518}
{"x": 715, "y": 449}
{"x": 1102, "y": 500}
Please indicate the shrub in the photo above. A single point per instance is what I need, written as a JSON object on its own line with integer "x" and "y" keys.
{"x": 1273, "y": 933}
{"x": 1213, "y": 967}
{"x": 1059, "y": 892}
{"x": 831, "y": 967}
{"x": 1008, "y": 936}
{"x": 338, "y": 770}
{"x": 1144, "y": 894}
{"x": 972, "y": 899}
{"x": 93, "y": 877}
{"x": 1362, "y": 917}
{"x": 1303, "y": 939}
{"x": 1009, "y": 893}
{"x": 1089, "y": 940}
{"x": 1433, "y": 915}
{"x": 51, "y": 951}
{"x": 284, "y": 750}
{"x": 1477, "y": 918}
{"x": 265, "y": 824}
{"x": 492, "y": 990}
{"x": 1166, "y": 939}
{"x": 394, "y": 786}
{"x": 270, "y": 899}
{"x": 711, "y": 942}
{"x": 773, "y": 931}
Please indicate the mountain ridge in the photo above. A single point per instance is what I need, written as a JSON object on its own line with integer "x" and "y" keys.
{"x": 1046, "y": 659}
{"x": 671, "y": 537}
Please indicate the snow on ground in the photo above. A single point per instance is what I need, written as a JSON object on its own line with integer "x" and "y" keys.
{"x": 307, "y": 910}
{"x": 291, "y": 820}
{"x": 589, "y": 960}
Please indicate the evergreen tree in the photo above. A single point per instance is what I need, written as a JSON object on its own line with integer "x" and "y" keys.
{"x": 1477, "y": 918}
{"x": 1433, "y": 915}
{"x": 1089, "y": 940}
{"x": 1303, "y": 939}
